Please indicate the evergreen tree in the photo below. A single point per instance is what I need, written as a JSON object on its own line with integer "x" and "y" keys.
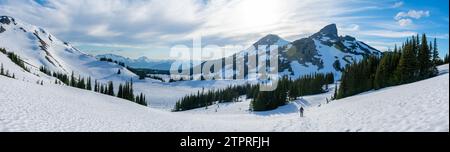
{"x": 423, "y": 57}
{"x": 96, "y": 86}
{"x": 145, "y": 103}
{"x": 72, "y": 80}
{"x": 358, "y": 77}
{"x": 89, "y": 85}
{"x": 140, "y": 99}
{"x": 110, "y": 88}
{"x": 80, "y": 83}
{"x": 45, "y": 71}
{"x": 120, "y": 92}
{"x": 406, "y": 70}
{"x": 384, "y": 74}
{"x": 266, "y": 100}
{"x": 435, "y": 53}
{"x": 446, "y": 59}
{"x": 335, "y": 92}
{"x": 2, "y": 70}
{"x": 398, "y": 67}
{"x": 102, "y": 90}
{"x": 16, "y": 59}
{"x": 131, "y": 90}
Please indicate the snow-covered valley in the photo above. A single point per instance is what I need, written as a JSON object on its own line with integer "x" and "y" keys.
{"x": 419, "y": 106}
{"x": 31, "y": 99}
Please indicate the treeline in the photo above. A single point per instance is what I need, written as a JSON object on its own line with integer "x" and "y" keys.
{"x": 125, "y": 91}
{"x": 149, "y": 73}
{"x": 206, "y": 98}
{"x": 289, "y": 90}
{"x": 15, "y": 59}
{"x": 6, "y": 72}
{"x": 77, "y": 82}
{"x": 415, "y": 60}
{"x": 357, "y": 77}
{"x": 309, "y": 84}
{"x": 113, "y": 61}
{"x": 156, "y": 78}
{"x": 286, "y": 91}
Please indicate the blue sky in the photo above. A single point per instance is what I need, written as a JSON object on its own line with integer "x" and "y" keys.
{"x": 137, "y": 28}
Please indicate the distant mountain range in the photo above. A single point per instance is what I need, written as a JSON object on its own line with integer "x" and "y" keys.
{"x": 322, "y": 52}
{"x": 142, "y": 62}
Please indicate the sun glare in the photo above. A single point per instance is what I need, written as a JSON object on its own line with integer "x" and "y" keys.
{"x": 258, "y": 13}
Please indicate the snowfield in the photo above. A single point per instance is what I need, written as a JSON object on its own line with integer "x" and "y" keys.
{"x": 37, "y": 47}
{"x": 420, "y": 106}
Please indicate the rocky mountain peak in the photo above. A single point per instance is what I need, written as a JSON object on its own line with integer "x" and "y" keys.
{"x": 329, "y": 31}
{"x": 6, "y": 20}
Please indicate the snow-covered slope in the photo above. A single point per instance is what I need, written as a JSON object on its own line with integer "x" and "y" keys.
{"x": 37, "y": 47}
{"x": 420, "y": 106}
{"x": 13, "y": 70}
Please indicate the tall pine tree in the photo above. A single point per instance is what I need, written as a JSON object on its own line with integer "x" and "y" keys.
{"x": 406, "y": 70}
{"x": 423, "y": 57}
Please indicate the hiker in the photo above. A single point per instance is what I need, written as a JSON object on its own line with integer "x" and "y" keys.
{"x": 301, "y": 111}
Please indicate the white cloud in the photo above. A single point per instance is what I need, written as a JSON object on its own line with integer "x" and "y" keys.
{"x": 398, "y": 4}
{"x": 404, "y": 19}
{"x": 388, "y": 33}
{"x": 141, "y": 21}
{"x": 412, "y": 14}
{"x": 405, "y": 22}
{"x": 350, "y": 28}
{"x": 105, "y": 21}
{"x": 102, "y": 31}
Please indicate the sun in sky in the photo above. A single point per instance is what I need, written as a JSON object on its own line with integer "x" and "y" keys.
{"x": 257, "y": 13}
{"x": 149, "y": 28}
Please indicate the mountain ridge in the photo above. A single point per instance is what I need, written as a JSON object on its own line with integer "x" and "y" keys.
{"x": 322, "y": 52}
{"x": 39, "y": 48}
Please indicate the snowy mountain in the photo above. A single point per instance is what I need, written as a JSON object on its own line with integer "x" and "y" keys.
{"x": 142, "y": 62}
{"x": 419, "y": 106}
{"x": 39, "y": 48}
{"x": 322, "y": 52}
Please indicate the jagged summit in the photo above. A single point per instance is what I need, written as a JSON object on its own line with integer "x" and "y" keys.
{"x": 6, "y": 20}
{"x": 329, "y": 31}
